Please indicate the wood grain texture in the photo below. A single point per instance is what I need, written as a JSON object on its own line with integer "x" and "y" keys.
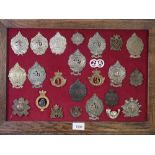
{"x": 148, "y": 127}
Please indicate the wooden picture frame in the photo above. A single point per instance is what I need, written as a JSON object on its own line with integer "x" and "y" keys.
{"x": 14, "y": 127}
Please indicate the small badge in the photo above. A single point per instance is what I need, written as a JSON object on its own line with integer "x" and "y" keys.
{"x": 96, "y": 45}
{"x": 42, "y": 101}
{"x": 76, "y": 111}
{"x": 135, "y": 46}
{"x": 116, "y": 74}
{"x": 116, "y": 43}
{"x": 56, "y": 112}
{"x": 58, "y": 44}
{"x": 17, "y": 76}
{"x": 113, "y": 114}
{"x": 58, "y": 80}
{"x": 111, "y": 98}
{"x": 77, "y": 91}
{"x": 96, "y": 79}
{"x": 96, "y": 63}
{"x": 77, "y": 62}
{"x": 131, "y": 108}
{"x": 36, "y": 75}
{"x": 20, "y": 107}
{"x": 77, "y": 38}
{"x": 136, "y": 78}
{"x": 39, "y": 44}
{"x": 19, "y": 44}
{"x": 94, "y": 107}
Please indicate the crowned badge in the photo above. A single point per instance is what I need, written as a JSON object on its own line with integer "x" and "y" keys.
{"x": 96, "y": 45}
{"x": 19, "y": 44}
{"x": 17, "y": 76}
{"x": 58, "y": 44}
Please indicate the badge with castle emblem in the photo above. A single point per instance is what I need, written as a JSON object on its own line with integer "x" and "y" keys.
{"x": 36, "y": 75}
{"x": 58, "y": 44}
{"x": 136, "y": 78}
{"x": 56, "y": 111}
{"x": 17, "y": 76}
{"x": 42, "y": 101}
{"x": 116, "y": 42}
{"x": 131, "y": 108}
{"x": 58, "y": 80}
{"x": 77, "y": 38}
{"x": 39, "y": 44}
{"x": 116, "y": 74}
{"x": 94, "y": 107}
{"x": 77, "y": 91}
{"x": 96, "y": 45}
{"x": 96, "y": 79}
{"x": 77, "y": 62}
{"x": 19, "y": 44}
{"x": 20, "y": 107}
{"x": 135, "y": 46}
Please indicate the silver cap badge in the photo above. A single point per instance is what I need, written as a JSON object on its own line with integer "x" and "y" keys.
{"x": 19, "y": 44}
{"x": 116, "y": 74}
{"x": 131, "y": 108}
{"x": 135, "y": 46}
{"x": 76, "y": 62}
{"x": 94, "y": 107}
{"x": 58, "y": 44}
{"x": 113, "y": 114}
{"x": 77, "y": 38}
{"x": 20, "y": 107}
{"x": 36, "y": 75}
{"x": 39, "y": 44}
{"x": 96, "y": 45}
{"x": 17, "y": 76}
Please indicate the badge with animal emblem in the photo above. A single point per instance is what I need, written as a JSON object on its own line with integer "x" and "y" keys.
{"x": 39, "y": 44}
{"x": 116, "y": 74}
{"x": 20, "y": 107}
{"x": 58, "y": 80}
{"x": 135, "y": 46}
{"x": 76, "y": 111}
{"x": 94, "y": 107}
{"x": 96, "y": 79}
{"x": 58, "y": 44}
{"x": 19, "y": 44}
{"x": 77, "y": 91}
{"x": 116, "y": 42}
{"x": 113, "y": 114}
{"x": 111, "y": 98}
{"x": 56, "y": 111}
{"x": 131, "y": 108}
{"x": 96, "y": 45}
{"x": 42, "y": 101}
{"x": 76, "y": 62}
{"x": 77, "y": 38}
{"x": 36, "y": 75}
{"x": 136, "y": 78}
{"x": 17, "y": 76}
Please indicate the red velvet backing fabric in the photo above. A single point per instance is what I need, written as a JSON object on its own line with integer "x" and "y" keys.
{"x": 53, "y": 63}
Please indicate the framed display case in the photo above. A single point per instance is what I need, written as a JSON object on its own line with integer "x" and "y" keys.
{"x": 114, "y": 97}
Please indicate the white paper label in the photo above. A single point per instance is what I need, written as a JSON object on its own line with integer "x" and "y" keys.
{"x": 78, "y": 126}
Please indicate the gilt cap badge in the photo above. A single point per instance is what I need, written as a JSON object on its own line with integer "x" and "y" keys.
{"x": 96, "y": 79}
{"x": 39, "y": 44}
{"x": 76, "y": 62}
{"x": 20, "y": 107}
{"x": 77, "y": 91}
{"x": 17, "y": 76}
{"x": 58, "y": 44}
{"x": 42, "y": 101}
{"x": 94, "y": 107}
{"x": 19, "y": 44}
{"x": 96, "y": 45}
{"x": 135, "y": 46}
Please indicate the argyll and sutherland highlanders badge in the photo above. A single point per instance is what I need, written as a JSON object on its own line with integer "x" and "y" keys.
{"x": 116, "y": 42}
